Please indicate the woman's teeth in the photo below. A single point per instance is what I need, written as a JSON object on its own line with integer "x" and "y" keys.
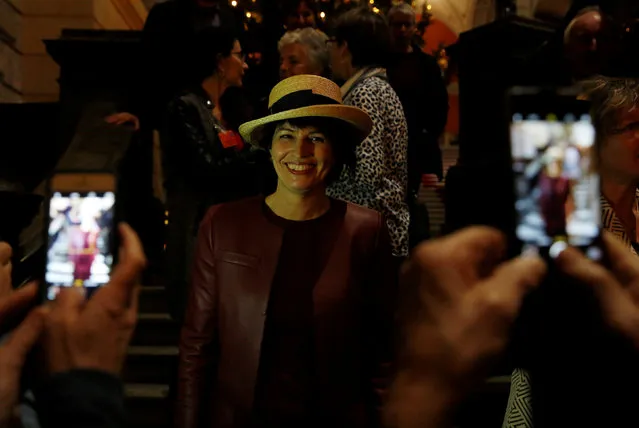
{"x": 300, "y": 167}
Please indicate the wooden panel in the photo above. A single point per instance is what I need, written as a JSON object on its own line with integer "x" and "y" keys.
{"x": 54, "y": 7}
{"x": 39, "y": 75}
{"x": 10, "y": 20}
{"x": 9, "y": 95}
{"x": 38, "y": 28}
{"x": 108, "y": 15}
{"x": 10, "y": 66}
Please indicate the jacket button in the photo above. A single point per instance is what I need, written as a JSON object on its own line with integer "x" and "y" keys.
{"x": 264, "y": 313}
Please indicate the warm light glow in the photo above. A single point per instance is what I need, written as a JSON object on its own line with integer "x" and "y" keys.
{"x": 322, "y": 15}
{"x": 371, "y": 1}
{"x": 376, "y": 10}
{"x": 248, "y": 14}
{"x": 234, "y": 3}
{"x": 429, "y": 7}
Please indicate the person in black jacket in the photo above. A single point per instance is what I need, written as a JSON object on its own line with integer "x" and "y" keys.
{"x": 167, "y": 46}
{"x": 205, "y": 161}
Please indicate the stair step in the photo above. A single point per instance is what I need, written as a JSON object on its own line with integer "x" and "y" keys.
{"x": 148, "y": 405}
{"x": 153, "y": 299}
{"x": 164, "y": 351}
{"x": 151, "y": 364}
{"x": 156, "y": 329}
{"x": 146, "y": 391}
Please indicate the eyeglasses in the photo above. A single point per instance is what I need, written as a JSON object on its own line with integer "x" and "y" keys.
{"x": 239, "y": 55}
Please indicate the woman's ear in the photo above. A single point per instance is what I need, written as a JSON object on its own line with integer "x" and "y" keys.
{"x": 219, "y": 59}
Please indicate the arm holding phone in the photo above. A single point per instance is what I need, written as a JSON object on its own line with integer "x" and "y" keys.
{"x": 466, "y": 306}
{"x": 84, "y": 343}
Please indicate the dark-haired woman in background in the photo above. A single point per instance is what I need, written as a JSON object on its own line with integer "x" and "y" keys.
{"x": 204, "y": 159}
{"x": 359, "y": 49}
{"x": 299, "y": 14}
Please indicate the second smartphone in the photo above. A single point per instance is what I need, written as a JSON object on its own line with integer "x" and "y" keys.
{"x": 557, "y": 196}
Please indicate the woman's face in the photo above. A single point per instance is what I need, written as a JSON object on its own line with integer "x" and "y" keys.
{"x": 303, "y": 17}
{"x": 302, "y": 158}
{"x": 232, "y": 67}
{"x": 295, "y": 60}
{"x": 619, "y": 153}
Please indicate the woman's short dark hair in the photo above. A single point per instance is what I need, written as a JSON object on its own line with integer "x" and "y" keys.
{"x": 367, "y": 35}
{"x": 208, "y": 47}
{"x": 290, "y": 6}
{"x": 341, "y": 136}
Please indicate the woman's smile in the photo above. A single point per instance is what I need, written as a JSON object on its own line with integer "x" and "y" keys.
{"x": 300, "y": 168}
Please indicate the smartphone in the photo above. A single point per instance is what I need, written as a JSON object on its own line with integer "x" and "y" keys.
{"x": 557, "y": 198}
{"x": 80, "y": 232}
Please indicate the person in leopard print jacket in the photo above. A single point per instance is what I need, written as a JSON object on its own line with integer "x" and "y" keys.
{"x": 379, "y": 181}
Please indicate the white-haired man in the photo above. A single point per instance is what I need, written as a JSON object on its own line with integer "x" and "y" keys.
{"x": 417, "y": 79}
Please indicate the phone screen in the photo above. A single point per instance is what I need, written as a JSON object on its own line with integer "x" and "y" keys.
{"x": 79, "y": 240}
{"x": 556, "y": 184}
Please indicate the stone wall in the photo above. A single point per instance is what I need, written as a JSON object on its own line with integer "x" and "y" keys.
{"x": 27, "y": 73}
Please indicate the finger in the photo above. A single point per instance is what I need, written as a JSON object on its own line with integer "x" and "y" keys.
{"x": 18, "y": 301}
{"x": 22, "y": 339}
{"x": 502, "y": 294}
{"x": 473, "y": 252}
{"x": 69, "y": 300}
{"x": 120, "y": 290}
{"x": 5, "y": 253}
{"x": 616, "y": 303}
{"x": 623, "y": 263}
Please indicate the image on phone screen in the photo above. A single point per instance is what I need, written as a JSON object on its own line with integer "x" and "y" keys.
{"x": 556, "y": 185}
{"x": 79, "y": 250}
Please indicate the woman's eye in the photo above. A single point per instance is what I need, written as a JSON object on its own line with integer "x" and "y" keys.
{"x": 318, "y": 139}
{"x": 285, "y": 136}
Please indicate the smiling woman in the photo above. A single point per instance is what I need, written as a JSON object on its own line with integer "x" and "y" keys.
{"x": 275, "y": 278}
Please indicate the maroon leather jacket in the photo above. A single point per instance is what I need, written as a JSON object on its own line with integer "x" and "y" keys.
{"x": 354, "y": 318}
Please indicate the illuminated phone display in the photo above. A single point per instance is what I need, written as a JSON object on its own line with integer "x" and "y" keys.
{"x": 80, "y": 227}
{"x": 556, "y": 184}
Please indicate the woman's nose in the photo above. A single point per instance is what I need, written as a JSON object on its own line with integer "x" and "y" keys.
{"x": 304, "y": 147}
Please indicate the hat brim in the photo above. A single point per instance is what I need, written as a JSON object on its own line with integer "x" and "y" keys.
{"x": 357, "y": 119}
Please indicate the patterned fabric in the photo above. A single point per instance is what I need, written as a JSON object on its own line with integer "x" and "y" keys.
{"x": 612, "y": 224}
{"x": 380, "y": 178}
{"x": 519, "y": 410}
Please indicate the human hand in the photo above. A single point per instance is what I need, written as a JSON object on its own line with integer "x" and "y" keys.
{"x": 122, "y": 119}
{"x": 463, "y": 305}
{"x": 16, "y": 346}
{"x": 95, "y": 333}
{"x": 616, "y": 288}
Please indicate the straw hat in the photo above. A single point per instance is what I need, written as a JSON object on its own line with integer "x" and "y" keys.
{"x": 308, "y": 96}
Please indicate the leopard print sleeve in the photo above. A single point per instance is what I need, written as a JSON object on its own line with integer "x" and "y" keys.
{"x": 380, "y": 178}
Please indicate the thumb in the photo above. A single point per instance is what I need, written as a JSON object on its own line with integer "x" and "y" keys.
{"x": 22, "y": 339}
{"x": 510, "y": 282}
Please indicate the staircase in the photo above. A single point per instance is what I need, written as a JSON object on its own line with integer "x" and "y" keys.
{"x": 151, "y": 363}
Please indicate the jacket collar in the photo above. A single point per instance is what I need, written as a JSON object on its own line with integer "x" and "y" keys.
{"x": 360, "y": 76}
